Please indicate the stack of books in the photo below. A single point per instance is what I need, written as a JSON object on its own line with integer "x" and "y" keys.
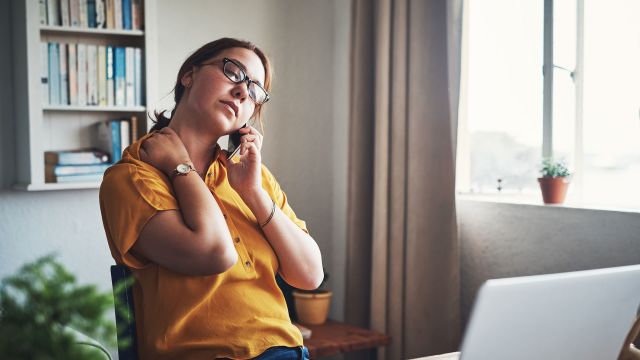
{"x": 98, "y": 14}
{"x": 88, "y": 74}
{"x": 83, "y": 165}
{"x": 113, "y": 136}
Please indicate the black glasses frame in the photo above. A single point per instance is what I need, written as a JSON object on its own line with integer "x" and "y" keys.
{"x": 244, "y": 78}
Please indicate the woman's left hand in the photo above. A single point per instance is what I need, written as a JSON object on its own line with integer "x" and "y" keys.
{"x": 245, "y": 176}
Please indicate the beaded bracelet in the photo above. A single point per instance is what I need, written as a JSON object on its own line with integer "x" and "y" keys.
{"x": 273, "y": 211}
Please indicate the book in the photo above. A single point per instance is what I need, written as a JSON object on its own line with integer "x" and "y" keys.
{"x": 82, "y": 73}
{"x": 92, "y": 74}
{"x": 74, "y": 13}
{"x": 130, "y": 94}
{"x": 97, "y": 177}
{"x": 110, "y": 82}
{"x": 136, "y": 14}
{"x": 137, "y": 70}
{"x": 64, "y": 75}
{"x": 119, "y": 76}
{"x": 126, "y": 14}
{"x": 125, "y": 135}
{"x": 64, "y": 13}
{"x": 108, "y": 138}
{"x": 59, "y": 170}
{"x": 73, "y": 74}
{"x": 89, "y": 156}
{"x": 134, "y": 128}
{"x": 91, "y": 13}
{"x": 109, "y": 14}
{"x": 43, "y": 12}
{"x": 117, "y": 14}
{"x": 82, "y": 13}
{"x": 44, "y": 72}
{"x": 54, "y": 74}
{"x": 101, "y": 20}
{"x": 102, "y": 75}
{"x": 53, "y": 15}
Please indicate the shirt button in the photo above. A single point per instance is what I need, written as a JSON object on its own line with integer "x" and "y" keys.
{"x": 237, "y": 239}
{"x": 225, "y": 215}
{"x": 247, "y": 263}
{"x": 209, "y": 173}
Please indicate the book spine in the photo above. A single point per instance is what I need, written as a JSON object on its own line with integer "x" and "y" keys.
{"x": 82, "y": 74}
{"x": 102, "y": 75}
{"x": 117, "y": 14}
{"x": 43, "y": 12}
{"x": 64, "y": 75}
{"x": 126, "y": 14}
{"x": 129, "y": 77}
{"x": 76, "y": 157}
{"x": 44, "y": 72}
{"x": 54, "y": 74}
{"x": 119, "y": 76}
{"x": 74, "y": 13}
{"x": 60, "y": 170}
{"x": 110, "y": 14}
{"x": 76, "y": 178}
{"x": 110, "y": 82}
{"x": 73, "y": 75}
{"x": 134, "y": 129}
{"x": 92, "y": 75}
{"x": 116, "y": 146}
{"x": 82, "y": 11}
{"x": 136, "y": 14}
{"x": 138, "y": 75}
{"x": 125, "y": 135}
{"x": 64, "y": 12}
{"x": 101, "y": 20}
{"x": 91, "y": 13}
{"x": 53, "y": 15}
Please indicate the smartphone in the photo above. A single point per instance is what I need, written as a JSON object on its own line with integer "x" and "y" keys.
{"x": 234, "y": 142}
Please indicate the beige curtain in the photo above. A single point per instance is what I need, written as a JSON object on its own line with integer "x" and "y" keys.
{"x": 403, "y": 252}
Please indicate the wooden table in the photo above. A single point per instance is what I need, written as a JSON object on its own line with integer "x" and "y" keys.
{"x": 334, "y": 337}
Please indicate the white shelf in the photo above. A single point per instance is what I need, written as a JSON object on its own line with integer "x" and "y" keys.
{"x": 58, "y": 186}
{"x": 89, "y": 31}
{"x": 94, "y": 108}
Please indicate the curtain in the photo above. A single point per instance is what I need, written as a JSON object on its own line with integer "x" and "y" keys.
{"x": 403, "y": 267}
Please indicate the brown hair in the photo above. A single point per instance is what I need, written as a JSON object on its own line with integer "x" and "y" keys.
{"x": 200, "y": 56}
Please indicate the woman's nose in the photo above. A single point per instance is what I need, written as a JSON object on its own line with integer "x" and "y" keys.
{"x": 240, "y": 91}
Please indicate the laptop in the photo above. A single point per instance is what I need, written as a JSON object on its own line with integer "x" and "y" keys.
{"x": 577, "y": 315}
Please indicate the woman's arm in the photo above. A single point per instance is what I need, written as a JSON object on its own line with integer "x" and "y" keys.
{"x": 194, "y": 240}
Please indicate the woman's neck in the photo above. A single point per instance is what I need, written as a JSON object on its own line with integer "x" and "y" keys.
{"x": 200, "y": 148}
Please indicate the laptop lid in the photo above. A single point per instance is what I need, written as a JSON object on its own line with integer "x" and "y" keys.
{"x": 576, "y": 315}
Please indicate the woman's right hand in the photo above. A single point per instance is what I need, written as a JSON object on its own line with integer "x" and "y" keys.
{"x": 164, "y": 150}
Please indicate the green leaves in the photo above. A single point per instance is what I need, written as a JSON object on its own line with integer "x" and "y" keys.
{"x": 553, "y": 168}
{"x": 39, "y": 301}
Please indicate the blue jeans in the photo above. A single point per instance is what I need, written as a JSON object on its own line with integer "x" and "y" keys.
{"x": 285, "y": 353}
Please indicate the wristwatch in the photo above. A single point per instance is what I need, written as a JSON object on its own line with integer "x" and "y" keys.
{"x": 182, "y": 169}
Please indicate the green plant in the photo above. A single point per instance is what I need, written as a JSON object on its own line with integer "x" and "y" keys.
{"x": 42, "y": 308}
{"x": 553, "y": 168}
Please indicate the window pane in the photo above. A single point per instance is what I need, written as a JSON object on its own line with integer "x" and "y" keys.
{"x": 505, "y": 93}
{"x": 611, "y": 103}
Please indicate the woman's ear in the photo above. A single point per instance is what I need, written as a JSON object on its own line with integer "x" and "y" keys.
{"x": 187, "y": 79}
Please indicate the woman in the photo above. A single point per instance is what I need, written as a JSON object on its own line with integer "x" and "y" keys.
{"x": 203, "y": 235}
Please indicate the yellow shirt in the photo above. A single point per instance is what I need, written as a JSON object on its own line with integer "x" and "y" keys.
{"x": 237, "y": 314}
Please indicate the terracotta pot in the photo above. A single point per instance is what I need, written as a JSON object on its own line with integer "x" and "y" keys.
{"x": 312, "y": 308}
{"x": 554, "y": 189}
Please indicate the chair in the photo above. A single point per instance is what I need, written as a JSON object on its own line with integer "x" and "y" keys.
{"x": 122, "y": 282}
{"x": 629, "y": 349}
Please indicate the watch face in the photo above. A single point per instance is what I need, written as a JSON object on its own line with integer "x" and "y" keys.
{"x": 183, "y": 168}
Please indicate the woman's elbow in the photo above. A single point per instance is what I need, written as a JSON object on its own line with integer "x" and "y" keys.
{"x": 216, "y": 258}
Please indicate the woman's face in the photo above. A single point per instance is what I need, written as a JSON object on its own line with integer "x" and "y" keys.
{"x": 221, "y": 104}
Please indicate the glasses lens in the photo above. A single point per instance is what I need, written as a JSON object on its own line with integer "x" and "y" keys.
{"x": 233, "y": 72}
{"x": 257, "y": 93}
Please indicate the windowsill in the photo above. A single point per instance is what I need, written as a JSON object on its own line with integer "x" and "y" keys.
{"x": 536, "y": 200}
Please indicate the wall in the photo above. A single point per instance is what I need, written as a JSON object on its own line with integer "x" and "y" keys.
{"x": 505, "y": 240}
{"x": 305, "y": 140}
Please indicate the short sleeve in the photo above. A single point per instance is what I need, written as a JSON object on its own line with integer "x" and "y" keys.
{"x": 130, "y": 195}
{"x": 270, "y": 184}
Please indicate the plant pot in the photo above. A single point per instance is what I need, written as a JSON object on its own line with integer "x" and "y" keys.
{"x": 554, "y": 189}
{"x": 312, "y": 308}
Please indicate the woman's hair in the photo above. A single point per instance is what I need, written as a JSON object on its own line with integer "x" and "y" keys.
{"x": 199, "y": 57}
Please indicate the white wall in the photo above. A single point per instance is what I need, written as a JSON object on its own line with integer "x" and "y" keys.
{"x": 505, "y": 240}
{"x": 305, "y": 140}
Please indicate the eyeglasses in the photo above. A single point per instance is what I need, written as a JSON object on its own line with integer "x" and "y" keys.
{"x": 234, "y": 72}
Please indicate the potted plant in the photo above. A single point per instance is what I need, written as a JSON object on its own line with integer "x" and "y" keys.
{"x": 312, "y": 306}
{"x": 45, "y": 314}
{"x": 554, "y": 181}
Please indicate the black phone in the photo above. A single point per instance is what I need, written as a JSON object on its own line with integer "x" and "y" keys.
{"x": 234, "y": 142}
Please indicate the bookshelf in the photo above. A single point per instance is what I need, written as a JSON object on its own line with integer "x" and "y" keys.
{"x": 42, "y": 127}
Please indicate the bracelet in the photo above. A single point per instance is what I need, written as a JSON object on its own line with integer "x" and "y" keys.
{"x": 273, "y": 211}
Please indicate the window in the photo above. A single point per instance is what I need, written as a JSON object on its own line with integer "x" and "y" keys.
{"x": 594, "y": 120}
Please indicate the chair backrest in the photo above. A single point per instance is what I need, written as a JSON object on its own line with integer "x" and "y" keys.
{"x": 122, "y": 282}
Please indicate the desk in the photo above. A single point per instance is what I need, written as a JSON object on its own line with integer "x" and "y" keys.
{"x": 334, "y": 337}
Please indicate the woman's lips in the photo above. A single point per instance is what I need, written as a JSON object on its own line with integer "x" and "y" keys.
{"x": 231, "y": 106}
